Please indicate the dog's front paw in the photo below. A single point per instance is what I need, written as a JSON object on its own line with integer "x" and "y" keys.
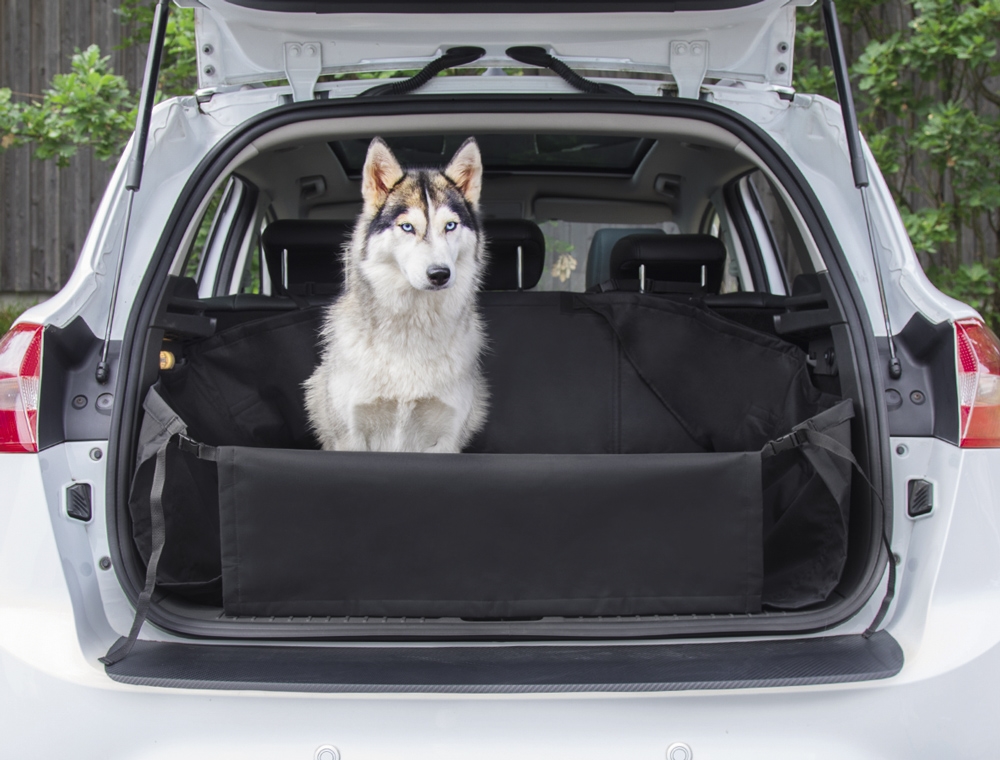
{"x": 375, "y": 424}
{"x": 430, "y": 426}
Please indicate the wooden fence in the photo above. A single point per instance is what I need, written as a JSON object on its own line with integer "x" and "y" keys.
{"x": 45, "y": 211}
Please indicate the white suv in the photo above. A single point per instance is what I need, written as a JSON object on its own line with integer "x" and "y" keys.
{"x": 737, "y": 493}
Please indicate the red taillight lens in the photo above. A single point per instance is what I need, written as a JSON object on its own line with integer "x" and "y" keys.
{"x": 20, "y": 376}
{"x": 978, "y": 384}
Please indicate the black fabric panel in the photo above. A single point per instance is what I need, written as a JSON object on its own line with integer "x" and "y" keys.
{"x": 644, "y": 423}
{"x": 191, "y": 563}
{"x": 244, "y": 386}
{"x": 729, "y": 387}
{"x": 560, "y": 380}
{"x": 322, "y": 533}
{"x": 805, "y": 524}
{"x": 514, "y": 669}
{"x": 551, "y": 372}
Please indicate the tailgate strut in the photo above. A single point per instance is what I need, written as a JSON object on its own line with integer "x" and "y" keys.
{"x": 133, "y": 177}
{"x": 860, "y": 170}
{"x": 858, "y": 166}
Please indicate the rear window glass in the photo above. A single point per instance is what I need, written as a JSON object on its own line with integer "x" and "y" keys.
{"x": 569, "y": 245}
{"x": 533, "y": 153}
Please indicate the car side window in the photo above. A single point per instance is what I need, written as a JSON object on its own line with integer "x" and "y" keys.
{"x": 735, "y": 273}
{"x": 254, "y": 277}
{"x": 218, "y": 249}
{"x": 195, "y": 256}
{"x": 784, "y": 239}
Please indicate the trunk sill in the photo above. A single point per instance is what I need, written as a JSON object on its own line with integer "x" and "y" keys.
{"x": 513, "y": 669}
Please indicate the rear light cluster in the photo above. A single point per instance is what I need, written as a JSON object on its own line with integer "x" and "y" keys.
{"x": 20, "y": 376}
{"x": 978, "y": 384}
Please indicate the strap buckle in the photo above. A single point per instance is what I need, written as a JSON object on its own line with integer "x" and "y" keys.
{"x": 200, "y": 450}
{"x": 190, "y": 446}
{"x": 793, "y": 440}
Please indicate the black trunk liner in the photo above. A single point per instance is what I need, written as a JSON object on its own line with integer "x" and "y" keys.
{"x": 619, "y": 473}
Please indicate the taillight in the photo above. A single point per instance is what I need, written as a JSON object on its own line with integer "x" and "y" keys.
{"x": 978, "y": 384}
{"x": 20, "y": 376}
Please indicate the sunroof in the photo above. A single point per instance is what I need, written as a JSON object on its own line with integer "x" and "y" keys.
{"x": 509, "y": 154}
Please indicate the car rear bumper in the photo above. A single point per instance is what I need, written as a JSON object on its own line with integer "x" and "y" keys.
{"x": 952, "y": 715}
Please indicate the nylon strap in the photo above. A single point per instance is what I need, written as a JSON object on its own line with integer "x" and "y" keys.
{"x": 123, "y": 646}
{"x": 890, "y": 591}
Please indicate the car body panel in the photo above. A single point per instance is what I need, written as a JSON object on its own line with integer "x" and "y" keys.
{"x": 239, "y": 45}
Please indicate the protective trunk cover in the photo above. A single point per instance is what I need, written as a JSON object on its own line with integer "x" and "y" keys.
{"x": 585, "y": 392}
{"x": 472, "y": 535}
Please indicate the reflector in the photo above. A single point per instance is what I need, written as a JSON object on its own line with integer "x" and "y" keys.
{"x": 20, "y": 376}
{"x": 978, "y": 361}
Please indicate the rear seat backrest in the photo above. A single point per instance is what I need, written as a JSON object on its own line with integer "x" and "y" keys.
{"x": 558, "y": 382}
{"x": 304, "y": 256}
{"x": 503, "y": 238}
{"x": 676, "y": 263}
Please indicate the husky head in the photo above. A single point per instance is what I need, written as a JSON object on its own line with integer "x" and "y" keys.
{"x": 420, "y": 228}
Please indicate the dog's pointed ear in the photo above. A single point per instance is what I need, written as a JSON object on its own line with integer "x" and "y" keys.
{"x": 466, "y": 170}
{"x": 380, "y": 174}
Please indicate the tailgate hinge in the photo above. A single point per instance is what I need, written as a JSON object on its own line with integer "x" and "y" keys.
{"x": 303, "y": 64}
{"x": 688, "y": 64}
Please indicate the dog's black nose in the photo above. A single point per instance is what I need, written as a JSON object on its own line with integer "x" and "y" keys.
{"x": 438, "y": 276}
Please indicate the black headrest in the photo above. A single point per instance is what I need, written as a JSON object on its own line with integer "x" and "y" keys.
{"x": 503, "y": 237}
{"x": 601, "y": 245}
{"x": 304, "y": 255}
{"x": 678, "y": 259}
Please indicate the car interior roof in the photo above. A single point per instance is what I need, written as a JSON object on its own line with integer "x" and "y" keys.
{"x": 305, "y": 179}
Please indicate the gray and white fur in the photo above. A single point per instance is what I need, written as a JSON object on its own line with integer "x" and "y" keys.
{"x": 399, "y": 368}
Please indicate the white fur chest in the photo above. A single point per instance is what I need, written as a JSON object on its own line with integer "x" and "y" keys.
{"x": 404, "y": 357}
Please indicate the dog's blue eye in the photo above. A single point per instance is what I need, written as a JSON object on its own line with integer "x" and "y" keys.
{"x": 406, "y": 227}
{"x": 450, "y": 226}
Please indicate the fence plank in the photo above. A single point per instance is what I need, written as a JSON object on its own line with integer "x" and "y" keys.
{"x": 40, "y": 75}
{"x": 52, "y": 274}
{"x": 17, "y": 182}
{"x": 70, "y": 209}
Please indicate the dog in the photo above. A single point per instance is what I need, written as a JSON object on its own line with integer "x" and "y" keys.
{"x": 400, "y": 348}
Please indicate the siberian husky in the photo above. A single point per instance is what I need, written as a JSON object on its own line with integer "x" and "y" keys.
{"x": 399, "y": 368}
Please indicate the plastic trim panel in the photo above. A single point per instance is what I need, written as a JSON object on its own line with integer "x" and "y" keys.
{"x": 513, "y": 669}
